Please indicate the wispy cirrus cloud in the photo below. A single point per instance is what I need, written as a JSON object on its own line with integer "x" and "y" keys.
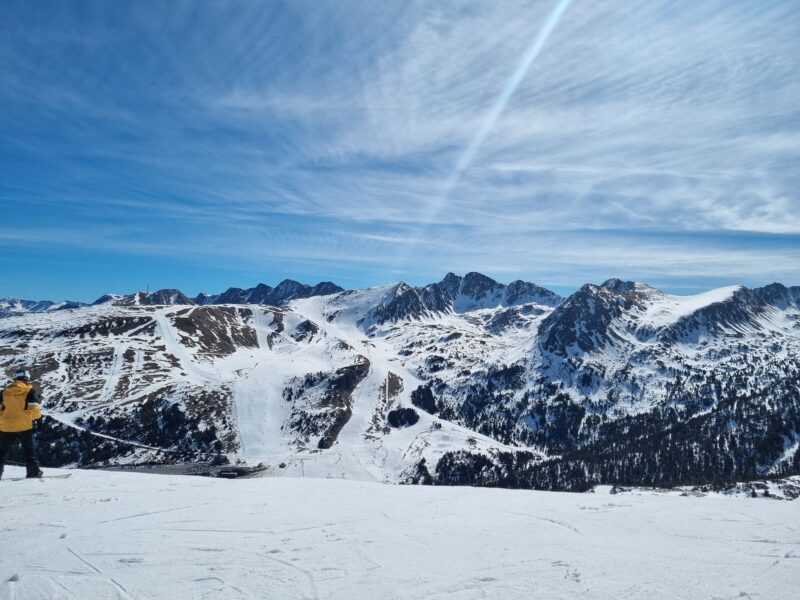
{"x": 656, "y": 138}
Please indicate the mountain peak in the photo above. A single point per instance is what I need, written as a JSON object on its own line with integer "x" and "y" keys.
{"x": 290, "y": 284}
{"x": 10, "y": 306}
{"x": 475, "y": 279}
{"x": 450, "y": 277}
{"x": 326, "y": 288}
{"x": 167, "y": 296}
{"x": 105, "y": 298}
{"x": 626, "y": 287}
{"x": 286, "y": 290}
{"x": 619, "y": 285}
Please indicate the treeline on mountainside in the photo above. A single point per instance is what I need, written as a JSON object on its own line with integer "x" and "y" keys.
{"x": 161, "y": 423}
{"x": 744, "y": 436}
{"x": 157, "y": 423}
{"x": 60, "y": 445}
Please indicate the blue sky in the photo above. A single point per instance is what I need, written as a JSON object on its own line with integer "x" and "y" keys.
{"x": 203, "y": 145}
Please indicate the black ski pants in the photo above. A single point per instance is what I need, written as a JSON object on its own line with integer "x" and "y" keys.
{"x": 25, "y": 438}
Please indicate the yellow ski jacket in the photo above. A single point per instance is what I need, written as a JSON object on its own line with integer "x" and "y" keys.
{"x": 19, "y": 408}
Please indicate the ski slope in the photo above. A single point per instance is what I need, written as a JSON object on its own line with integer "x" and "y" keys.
{"x": 133, "y": 536}
{"x": 666, "y": 309}
{"x": 266, "y": 385}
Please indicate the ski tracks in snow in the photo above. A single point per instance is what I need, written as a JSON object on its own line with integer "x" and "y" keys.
{"x": 258, "y": 416}
{"x": 87, "y": 581}
{"x": 179, "y": 351}
{"x": 262, "y": 328}
{"x": 320, "y": 539}
{"x": 107, "y": 393}
{"x": 312, "y": 583}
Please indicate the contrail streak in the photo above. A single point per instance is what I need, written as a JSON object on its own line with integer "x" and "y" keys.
{"x": 500, "y": 104}
{"x": 468, "y": 156}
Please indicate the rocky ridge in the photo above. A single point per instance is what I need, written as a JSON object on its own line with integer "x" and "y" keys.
{"x": 463, "y": 381}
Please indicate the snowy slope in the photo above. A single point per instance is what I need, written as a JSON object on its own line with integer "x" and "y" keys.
{"x": 133, "y": 536}
{"x": 382, "y": 384}
{"x": 667, "y": 309}
{"x": 178, "y": 383}
{"x": 17, "y": 306}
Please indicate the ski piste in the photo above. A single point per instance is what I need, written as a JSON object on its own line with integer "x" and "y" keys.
{"x": 61, "y": 476}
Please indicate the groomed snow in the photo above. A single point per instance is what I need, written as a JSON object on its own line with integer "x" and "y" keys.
{"x": 667, "y": 309}
{"x": 133, "y": 536}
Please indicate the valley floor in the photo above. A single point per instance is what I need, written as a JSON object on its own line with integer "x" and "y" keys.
{"x": 137, "y": 536}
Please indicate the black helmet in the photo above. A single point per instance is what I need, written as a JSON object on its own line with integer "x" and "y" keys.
{"x": 22, "y": 374}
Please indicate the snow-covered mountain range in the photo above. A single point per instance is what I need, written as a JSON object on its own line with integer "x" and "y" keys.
{"x": 463, "y": 381}
{"x": 16, "y": 306}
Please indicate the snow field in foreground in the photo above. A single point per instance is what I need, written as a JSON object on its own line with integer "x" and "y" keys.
{"x": 137, "y": 536}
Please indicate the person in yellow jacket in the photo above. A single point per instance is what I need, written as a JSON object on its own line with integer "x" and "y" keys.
{"x": 19, "y": 411}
